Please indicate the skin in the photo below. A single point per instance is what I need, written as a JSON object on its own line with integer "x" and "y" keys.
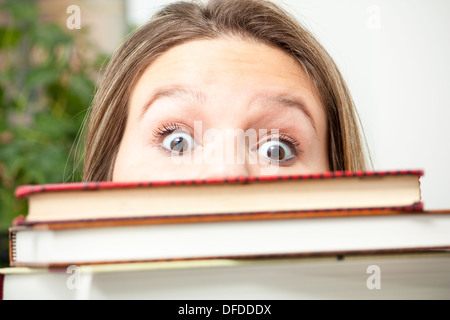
{"x": 213, "y": 93}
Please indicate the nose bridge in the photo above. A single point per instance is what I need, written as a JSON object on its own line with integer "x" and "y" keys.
{"x": 225, "y": 153}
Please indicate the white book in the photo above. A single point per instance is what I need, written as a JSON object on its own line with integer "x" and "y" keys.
{"x": 421, "y": 275}
{"x": 245, "y": 235}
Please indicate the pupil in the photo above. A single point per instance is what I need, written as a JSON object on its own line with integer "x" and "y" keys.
{"x": 178, "y": 144}
{"x": 275, "y": 152}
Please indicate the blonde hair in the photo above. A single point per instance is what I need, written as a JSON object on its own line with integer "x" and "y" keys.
{"x": 179, "y": 22}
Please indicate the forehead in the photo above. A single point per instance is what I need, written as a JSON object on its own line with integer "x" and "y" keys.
{"x": 228, "y": 62}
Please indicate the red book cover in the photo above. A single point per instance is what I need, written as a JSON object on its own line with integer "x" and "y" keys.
{"x": 26, "y": 190}
{"x": 253, "y": 198}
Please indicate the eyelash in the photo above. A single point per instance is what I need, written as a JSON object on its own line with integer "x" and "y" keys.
{"x": 290, "y": 141}
{"x": 166, "y": 129}
{"x": 293, "y": 143}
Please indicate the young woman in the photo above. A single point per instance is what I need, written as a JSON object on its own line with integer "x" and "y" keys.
{"x": 225, "y": 88}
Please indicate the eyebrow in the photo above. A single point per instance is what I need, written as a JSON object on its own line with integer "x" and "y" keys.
{"x": 287, "y": 101}
{"x": 198, "y": 97}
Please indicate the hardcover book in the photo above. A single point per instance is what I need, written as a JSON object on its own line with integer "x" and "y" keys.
{"x": 389, "y": 190}
{"x": 407, "y": 275}
{"x": 225, "y": 236}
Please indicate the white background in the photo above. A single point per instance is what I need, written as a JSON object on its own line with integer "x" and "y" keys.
{"x": 395, "y": 57}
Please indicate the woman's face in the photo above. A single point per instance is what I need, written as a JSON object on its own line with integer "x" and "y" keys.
{"x": 222, "y": 108}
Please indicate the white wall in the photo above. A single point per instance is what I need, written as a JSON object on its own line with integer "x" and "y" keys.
{"x": 395, "y": 56}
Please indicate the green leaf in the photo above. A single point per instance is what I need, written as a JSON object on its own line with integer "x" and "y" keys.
{"x": 9, "y": 37}
{"x": 2, "y": 98}
{"x": 81, "y": 87}
{"x": 53, "y": 129}
{"x": 20, "y": 10}
{"x": 51, "y": 35}
{"x": 42, "y": 75}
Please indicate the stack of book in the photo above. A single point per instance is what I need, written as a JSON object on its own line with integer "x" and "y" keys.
{"x": 337, "y": 235}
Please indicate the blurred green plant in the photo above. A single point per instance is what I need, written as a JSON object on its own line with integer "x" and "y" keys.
{"x": 47, "y": 82}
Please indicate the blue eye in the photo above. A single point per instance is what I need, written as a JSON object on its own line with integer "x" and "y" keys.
{"x": 276, "y": 151}
{"x": 178, "y": 142}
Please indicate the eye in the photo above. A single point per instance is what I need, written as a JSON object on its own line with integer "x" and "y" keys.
{"x": 276, "y": 151}
{"x": 178, "y": 142}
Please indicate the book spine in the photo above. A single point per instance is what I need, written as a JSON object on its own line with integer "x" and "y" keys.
{"x": 2, "y": 281}
{"x": 12, "y": 246}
